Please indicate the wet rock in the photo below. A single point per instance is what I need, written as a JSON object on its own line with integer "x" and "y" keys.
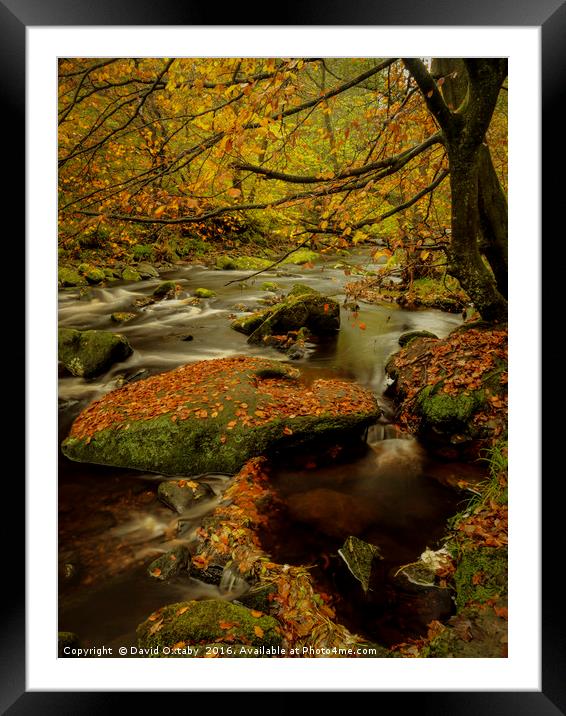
{"x": 169, "y": 564}
{"x": 92, "y": 274}
{"x": 187, "y": 337}
{"x": 204, "y": 293}
{"x": 122, "y": 316}
{"x": 179, "y": 494}
{"x": 242, "y": 263}
{"x": 147, "y": 270}
{"x": 68, "y": 277}
{"x": 209, "y": 621}
{"x": 299, "y": 289}
{"x": 269, "y": 286}
{"x": 166, "y": 289}
{"x": 301, "y": 256}
{"x": 333, "y": 513}
{"x": 130, "y": 274}
{"x": 209, "y": 574}
{"x": 406, "y": 338}
{"x": 472, "y": 633}
{"x": 359, "y": 557}
{"x": 66, "y": 640}
{"x": 212, "y": 416}
{"x": 320, "y": 314}
{"x": 89, "y": 353}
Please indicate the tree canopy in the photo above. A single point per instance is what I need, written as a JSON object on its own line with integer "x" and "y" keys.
{"x": 330, "y": 151}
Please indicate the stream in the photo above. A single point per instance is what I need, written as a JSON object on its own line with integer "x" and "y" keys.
{"x": 111, "y": 523}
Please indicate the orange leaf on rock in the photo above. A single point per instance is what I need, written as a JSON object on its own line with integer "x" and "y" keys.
{"x": 255, "y": 613}
{"x": 227, "y": 625}
{"x": 258, "y": 631}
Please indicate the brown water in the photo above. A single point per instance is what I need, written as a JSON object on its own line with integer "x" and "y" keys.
{"x": 111, "y": 524}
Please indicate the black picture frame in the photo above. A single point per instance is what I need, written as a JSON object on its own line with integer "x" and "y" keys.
{"x": 15, "y": 17}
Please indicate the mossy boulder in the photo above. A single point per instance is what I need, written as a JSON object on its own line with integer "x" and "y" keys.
{"x": 130, "y": 274}
{"x": 179, "y": 494}
{"x": 301, "y": 256}
{"x": 69, "y": 278}
{"x": 92, "y": 274}
{"x": 474, "y": 632}
{"x": 89, "y": 353}
{"x": 166, "y": 289}
{"x": 447, "y": 412}
{"x": 320, "y": 314}
{"x": 204, "y": 293}
{"x": 122, "y": 316}
{"x": 169, "y": 564}
{"x": 269, "y": 286}
{"x": 242, "y": 263}
{"x": 214, "y": 415}
{"x": 302, "y": 308}
{"x": 299, "y": 289}
{"x": 147, "y": 270}
{"x": 405, "y": 338}
{"x": 210, "y": 621}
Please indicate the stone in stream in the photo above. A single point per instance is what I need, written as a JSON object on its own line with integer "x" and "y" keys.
{"x": 359, "y": 557}
{"x": 89, "y": 353}
{"x": 405, "y": 338}
{"x": 204, "y": 293}
{"x": 242, "y": 263}
{"x": 69, "y": 278}
{"x": 209, "y": 621}
{"x": 166, "y": 289}
{"x": 214, "y": 415}
{"x": 130, "y": 274}
{"x": 303, "y": 308}
{"x": 92, "y": 274}
{"x": 179, "y": 494}
{"x": 169, "y": 564}
{"x": 122, "y": 316}
{"x": 147, "y": 270}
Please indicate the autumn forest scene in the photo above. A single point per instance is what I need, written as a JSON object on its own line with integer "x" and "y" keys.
{"x": 282, "y": 346}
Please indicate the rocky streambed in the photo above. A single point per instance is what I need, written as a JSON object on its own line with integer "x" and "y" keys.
{"x": 220, "y": 490}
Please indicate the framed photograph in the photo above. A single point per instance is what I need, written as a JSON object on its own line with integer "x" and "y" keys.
{"x": 173, "y": 195}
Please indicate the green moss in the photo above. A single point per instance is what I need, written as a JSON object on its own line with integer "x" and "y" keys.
{"x": 203, "y": 622}
{"x": 259, "y": 597}
{"x": 317, "y": 313}
{"x": 301, "y": 256}
{"x": 92, "y": 274}
{"x": 130, "y": 274}
{"x": 68, "y": 277}
{"x": 89, "y": 353}
{"x": 406, "y": 338}
{"x": 448, "y": 412}
{"x": 299, "y": 289}
{"x": 204, "y": 293}
{"x": 166, "y": 288}
{"x": 242, "y": 263}
{"x": 481, "y": 574}
{"x": 269, "y": 286}
{"x": 248, "y": 324}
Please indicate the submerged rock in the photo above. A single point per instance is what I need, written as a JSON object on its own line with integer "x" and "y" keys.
{"x": 89, "y": 353}
{"x": 210, "y": 621}
{"x": 166, "y": 289}
{"x": 214, "y": 415}
{"x": 122, "y": 316}
{"x": 179, "y": 494}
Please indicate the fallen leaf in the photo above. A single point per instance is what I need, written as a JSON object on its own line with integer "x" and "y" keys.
{"x": 258, "y": 631}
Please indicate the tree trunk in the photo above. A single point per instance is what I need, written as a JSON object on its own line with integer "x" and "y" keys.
{"x": 492, "y": 204}
{"x": 466, "y": 262}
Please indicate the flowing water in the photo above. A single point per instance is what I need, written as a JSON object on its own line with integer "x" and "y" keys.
{"x": 111, "y": 523}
